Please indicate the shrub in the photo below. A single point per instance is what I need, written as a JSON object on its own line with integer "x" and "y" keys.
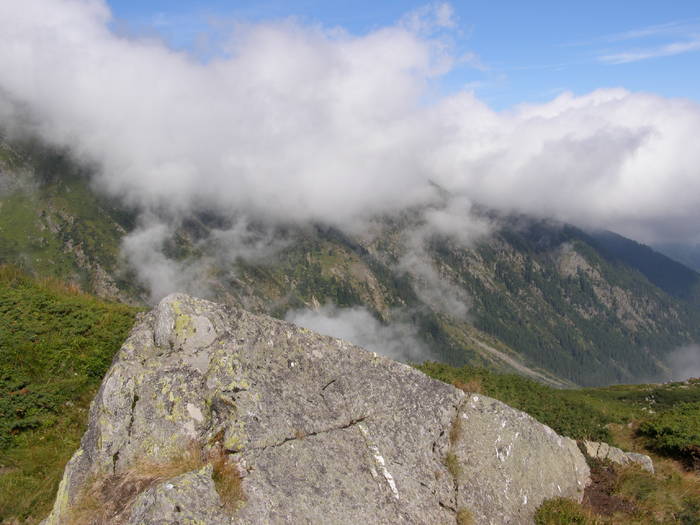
{"x": 676, "y": 432}
{"x": 562, "y": 511}
{"x": 473, "y": 386}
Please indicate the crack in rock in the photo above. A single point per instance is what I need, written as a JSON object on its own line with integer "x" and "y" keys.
{"x": 352, "y": 422}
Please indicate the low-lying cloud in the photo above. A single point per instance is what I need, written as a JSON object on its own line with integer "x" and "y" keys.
{"x": 397, "y": 340}
{"x": 684, "y": 363}
{"x": 145, "y": 250}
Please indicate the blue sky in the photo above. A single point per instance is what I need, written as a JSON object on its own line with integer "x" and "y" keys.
{"x": 526, "y": 51}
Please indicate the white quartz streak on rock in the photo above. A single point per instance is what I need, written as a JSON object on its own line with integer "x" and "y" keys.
{"x": 379, "y": 460}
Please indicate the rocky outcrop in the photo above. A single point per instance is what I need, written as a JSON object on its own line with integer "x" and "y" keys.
{"x": 214, "y": 415}
{"x": 603, "y": 451}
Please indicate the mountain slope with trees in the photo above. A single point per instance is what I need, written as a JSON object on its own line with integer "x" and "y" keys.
{"x": 533, "y": 296}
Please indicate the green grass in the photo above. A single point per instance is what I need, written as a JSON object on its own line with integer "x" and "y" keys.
{"x": 24, "y": 240}
{"x": 55, "y": 346}
{"x": 53, "y": 224}
{"x": 669, "y": 413}
{"x": 568, "y": 414}
{"x": 562, "y": 511}
{"x": 667, "y": 497}
{"x": 675, "y": 431}
{"x": 32, "y": 467}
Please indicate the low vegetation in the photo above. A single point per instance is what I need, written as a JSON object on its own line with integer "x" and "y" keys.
{"x": 676, "y": 432}
{"x": 55, "y": 345}
{"x": 631, "y": 496}
{"x": 464, "y": 517}
{"x": 105, "y": 499}
{"x": 227, "y": 479}
{"x": 669, "y": 413}
{"x": 108, "y": 499}
{"x": 562, "y": 511}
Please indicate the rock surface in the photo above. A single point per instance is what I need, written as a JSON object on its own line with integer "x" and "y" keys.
{"x": 188, "y": 498}
{"x": 603, "y": 451}
{"x": 320, "y": 431}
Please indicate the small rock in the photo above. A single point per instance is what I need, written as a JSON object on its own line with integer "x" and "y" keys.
{"x": 602, "y": 451}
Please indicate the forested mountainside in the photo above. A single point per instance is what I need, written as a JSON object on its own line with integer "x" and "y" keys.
{"x": 537, "y": 297}
{"x": 687, "y": 254}
{"x": 669, "y": 275}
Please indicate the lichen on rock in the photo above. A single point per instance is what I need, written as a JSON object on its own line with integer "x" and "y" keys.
{"x": 320, "y": 431}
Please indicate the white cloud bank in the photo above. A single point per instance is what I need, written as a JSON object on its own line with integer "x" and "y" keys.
{"x": 296, "y": 123}
{"x": 397, "y": 340}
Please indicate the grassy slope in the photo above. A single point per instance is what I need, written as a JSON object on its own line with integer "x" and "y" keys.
{"x": 51, "y": 222}
{"x": 55, "y": 346}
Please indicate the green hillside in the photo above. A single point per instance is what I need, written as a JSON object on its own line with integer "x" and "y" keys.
{"x": 52, "y": 224}
{"x": 544, "y": 299}
{"x": 55, "y": 346}
{"x": 669, "y": 275}
{"x": 686, "y": 254}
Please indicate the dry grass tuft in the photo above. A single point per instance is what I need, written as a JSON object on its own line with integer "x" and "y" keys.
{"x": 473, "y": 386}
{"x": 11, "y": 274}
{"x": 107, "y": 500}
{"x": 455, "y": 429}
{"x": 14, "y": 275}
{"x": 227, "y": 479}
{"x": 562, "y": 511}
{"x": 452, "y": 464}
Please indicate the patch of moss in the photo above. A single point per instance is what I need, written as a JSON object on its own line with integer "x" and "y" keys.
{"x": 452, "y": 464}
{"x": 562, "y": 511}
{"x": 464, "y": 517}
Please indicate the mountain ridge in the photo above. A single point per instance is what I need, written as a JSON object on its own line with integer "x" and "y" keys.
{"x": 551, "y": 298}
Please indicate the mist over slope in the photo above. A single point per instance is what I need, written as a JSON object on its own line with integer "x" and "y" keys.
{"x": 540, "y": 298}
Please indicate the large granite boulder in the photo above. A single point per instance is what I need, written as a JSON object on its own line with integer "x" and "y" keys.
{"x": 213, "y": 415}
